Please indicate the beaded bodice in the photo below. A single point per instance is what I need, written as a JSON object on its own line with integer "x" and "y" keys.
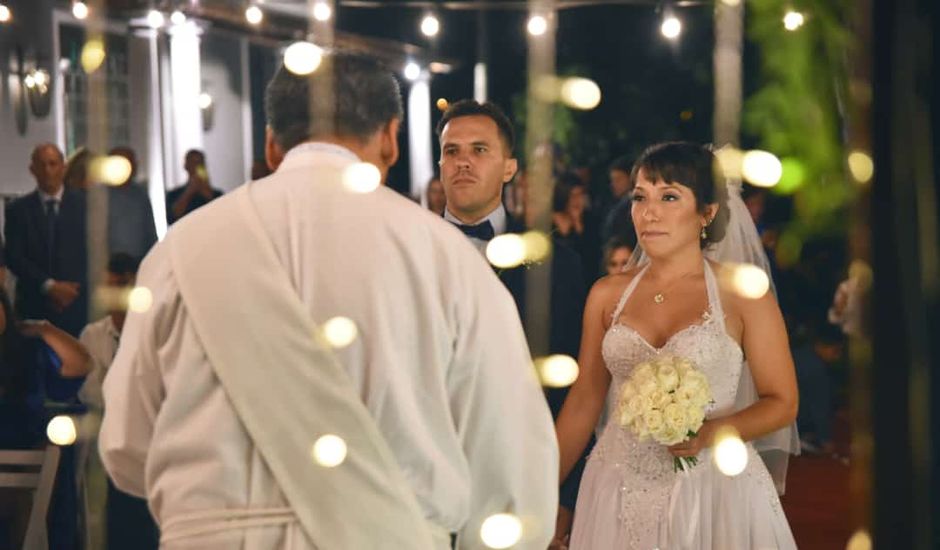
{"x": 647, "y": 467}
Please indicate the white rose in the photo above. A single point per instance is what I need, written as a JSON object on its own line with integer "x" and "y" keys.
{"x": 659, "y": 399}
{"x": 696, "y": 417}
{"x": 643, "y": 371}
{"x": 668, "y": 377}
{"x": 638, "y": 405}
{"x": 647, "y": 386}
{"x": 669, "y": 436}
{"x": 653, "y": 420}
{"x": 675, "y": 417}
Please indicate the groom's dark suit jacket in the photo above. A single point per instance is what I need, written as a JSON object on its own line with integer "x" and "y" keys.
{"x": 567, "y": 295}
{"x": 30, "y": 259}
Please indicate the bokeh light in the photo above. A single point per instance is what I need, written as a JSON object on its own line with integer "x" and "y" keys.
{"x": 61, "y": 430}
{"x": 329, "y": 451}
{"x": 339, "y": 332}
{"x": 205, "y": 100}
{"x": 362, "y": 177}
{"x": 302, "y": 58}
{"x": 580, "y": 93}
{"x": 761, "y": 168}
{"x": 430, "y": 25}
{"x": 861, "y": 166}
{"x": 110, "y": 170}
{"x": 254, "y": 15}
{"x": 537, "y": 244}
{"x": 322, "y": 11}
{"x": 93, "y": 55}
{"x": 671, "y": 27}
{"x": 557, "y": 371}
{"x": 412, "y": 71}
{"x": 860, "y": 540}
{"x": 793, "y": 20}
{"x": 749, "y": 281}
{"x": 505, "y": 251}
{"x": 5, "y": 13}
{"x": 730, "y": 452}
{"x": 155, "y": 19}
{"x": 442, "y": 104}
{"x": 80, "y": 10}
{"x": 501, "y": 531}
{"x": 729, "y": 162}
{"x": 177, "y": 17}
{"x": 792, "y": 177}
{"x": 537, "y": 25}
{"x": 140, "y": 299}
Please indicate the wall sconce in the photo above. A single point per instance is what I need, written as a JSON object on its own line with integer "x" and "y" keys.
{"x": 207, "y": 107}
{"x": 38, "y": 86}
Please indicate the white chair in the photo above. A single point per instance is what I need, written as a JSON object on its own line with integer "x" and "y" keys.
{"x": 35, "y": 471}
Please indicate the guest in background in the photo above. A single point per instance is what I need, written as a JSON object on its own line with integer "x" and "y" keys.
{"x": 129, "y": 523}
{"x": 434, "y": 194}
{"x": 814, "y": 360}
{"x": 131, "y": 227}
{"x": 46, "y": 246}
{"x": 573, "y": 225}
{"x": 195, "y": 192}
{"x": 617, "y": 253}
{"x": 77, "y": 174}
{"x": 616, "y": 217}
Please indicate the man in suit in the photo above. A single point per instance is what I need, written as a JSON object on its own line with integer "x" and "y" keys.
{"x": 46, "y": 246}
{"x": 477, "y": 142}
{"x": 195, "y": 192}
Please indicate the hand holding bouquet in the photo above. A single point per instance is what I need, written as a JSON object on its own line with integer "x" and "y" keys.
{"x": 665, "y": 399}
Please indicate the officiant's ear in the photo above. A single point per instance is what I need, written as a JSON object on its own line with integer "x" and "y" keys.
{"x": 273, "y": 153}
{"x": 389, "y": 142}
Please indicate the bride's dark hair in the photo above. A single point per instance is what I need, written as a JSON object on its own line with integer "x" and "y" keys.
{"x": 693, "y": 166}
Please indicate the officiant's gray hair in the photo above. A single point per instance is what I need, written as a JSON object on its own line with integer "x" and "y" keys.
{"x": 348, "y": 95}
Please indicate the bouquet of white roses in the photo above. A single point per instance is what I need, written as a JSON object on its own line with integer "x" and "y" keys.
{"x": 665, "y": 399}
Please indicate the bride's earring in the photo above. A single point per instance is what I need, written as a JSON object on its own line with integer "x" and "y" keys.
{"x": 704, "y": 234}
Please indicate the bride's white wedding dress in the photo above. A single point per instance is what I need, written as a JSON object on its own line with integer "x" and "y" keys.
{"x": 630, "y": 497}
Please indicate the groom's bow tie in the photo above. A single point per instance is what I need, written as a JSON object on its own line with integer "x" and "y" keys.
{"x": 483, "y": 231}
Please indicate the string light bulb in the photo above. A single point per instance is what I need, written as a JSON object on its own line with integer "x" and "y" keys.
{"x": 80, "y": 10}
{"x": 537, "y": 25}
{"x": 430, "y": 25}
{"x": 254, "y": 15}
{"x": 5, "y": 13}
{"x": 671, "y": 27}
{"x": 412, "y": 71}
{"x": 322, "y": 11}
{"x": 177, "y": 17}
{"x": 155, "y": 19}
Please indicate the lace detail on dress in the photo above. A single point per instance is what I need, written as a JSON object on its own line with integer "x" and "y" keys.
{"x": 647, "y": 467}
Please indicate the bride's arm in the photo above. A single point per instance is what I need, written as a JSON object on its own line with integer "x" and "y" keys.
{"x": 585, "y": 400}
{"x": 766, "y": 347}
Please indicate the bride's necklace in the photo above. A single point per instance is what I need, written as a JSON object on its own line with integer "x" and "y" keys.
{"x": 660, "y": 296}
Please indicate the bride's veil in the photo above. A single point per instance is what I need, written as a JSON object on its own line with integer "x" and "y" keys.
{"x": 742, "y": 245}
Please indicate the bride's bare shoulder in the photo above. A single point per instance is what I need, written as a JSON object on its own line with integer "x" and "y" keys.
{"x": 613, "y": 285}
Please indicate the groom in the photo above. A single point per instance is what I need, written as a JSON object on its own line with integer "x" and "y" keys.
{"x": 477, "y": 142}
{"x": 245, "y": 425}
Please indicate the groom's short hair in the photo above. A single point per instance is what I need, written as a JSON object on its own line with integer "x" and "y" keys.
{"x": 349, "y": 95}
{"x": 470, "y": 107}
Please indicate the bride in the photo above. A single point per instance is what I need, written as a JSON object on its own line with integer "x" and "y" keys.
{"x": 670, "y": 302}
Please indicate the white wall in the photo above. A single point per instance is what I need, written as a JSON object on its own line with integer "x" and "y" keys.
{"x": 31, "y": 29}
{"x": 225, "y": 141}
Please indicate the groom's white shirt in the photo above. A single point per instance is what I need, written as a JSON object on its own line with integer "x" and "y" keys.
{"x": 441, "y": 364}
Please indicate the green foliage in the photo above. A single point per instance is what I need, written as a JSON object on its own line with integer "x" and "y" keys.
{"x": 797, "y": 110}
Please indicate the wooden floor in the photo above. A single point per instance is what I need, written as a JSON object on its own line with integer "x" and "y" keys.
{"x": 817, "y": 501}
